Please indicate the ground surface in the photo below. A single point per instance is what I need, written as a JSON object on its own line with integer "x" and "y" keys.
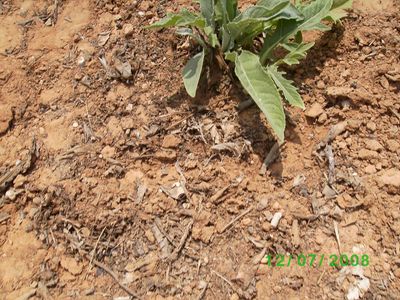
{"x": 122, "y": 167}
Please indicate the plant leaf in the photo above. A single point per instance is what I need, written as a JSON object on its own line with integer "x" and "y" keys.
{"x": 182, "y": 19}
{"x": 256, "y": 19}
{"x": 338, "y": 10}
{"x": 286, "y": 87}
{"x": 284, "y": 29}
{"x": 296, "y": 52}
{"x": 192, "y": 72}
{"x": 207, "y": 10}
{"x": 314, "y": 13}
{"x": 258, "y": 83}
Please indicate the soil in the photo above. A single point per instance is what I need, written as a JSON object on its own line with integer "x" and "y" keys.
{"x": 114, "y": 168}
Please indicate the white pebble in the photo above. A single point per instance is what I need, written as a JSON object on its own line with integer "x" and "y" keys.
{"x": 275, "y": 219}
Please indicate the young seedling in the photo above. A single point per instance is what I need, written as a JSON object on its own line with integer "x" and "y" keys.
{"x": 222, "y": 30}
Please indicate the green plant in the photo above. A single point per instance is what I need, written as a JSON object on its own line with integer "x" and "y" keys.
{"x": 223, "y": 31}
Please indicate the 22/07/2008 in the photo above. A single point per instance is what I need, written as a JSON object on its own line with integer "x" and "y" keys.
{"x": 302, "y": 260}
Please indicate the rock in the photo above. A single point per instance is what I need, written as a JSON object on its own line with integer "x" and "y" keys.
{"x": 171, "y": 141}
{"x": 334, "y": 91}
{"x": 315, "y": 110}
{"x": 266, "y": 226}
{"x": 371, "y": 126}
{"x": 108, "y": 152}
{"x": 71, "y": 265}
{"x": 373, "y": 145}
{"x": 370, "y": 169}
{"x": 322, "y": 118}
{"x": 390, "y": 179}
{"x": 321, "y": 84}
{"x": 367, "y": 154}
{"x": 127, "y": 123}
{"x": 167, "y": 156}
{"x": 203, "y": 234}
{"x": 275, "y": 219}
{"x": 128, "y": 29}
{"x": 328, "y": 192}
{"x": 6, "y": 117}
{"x": 263, "y": 202}
{"x": 392, "y": 145}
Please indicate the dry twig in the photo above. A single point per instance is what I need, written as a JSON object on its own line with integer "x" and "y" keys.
{"x": 236, "y": 219}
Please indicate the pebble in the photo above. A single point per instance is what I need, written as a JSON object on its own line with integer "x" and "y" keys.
{"x": 373, "y": 145}
{"x": 171, "y": 141}
{"x": 370, "y": 169}
{"x": 321, "y": 84}
{"x": 128, "y": 29}
{"x": 371, "y": 126}
{"x": 275, "y": 219}
{"x": 322, "y": 118}
{"x": 392, "y": 145}
{"x": 367, "y": 154}
{"x": 391, "y": 180}
{"x": 315, "y": 110}
{"x": 75, "y": 125}
{"x": 108, "y": 152}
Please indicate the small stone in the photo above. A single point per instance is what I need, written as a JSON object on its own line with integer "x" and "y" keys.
{"x": 391, "y": 180}
{"x": 108, "y": 152}
{"x": 314, "y": 111}
{"x": 263, "y": 202}
{"x": 81, "y": 61}
{"x": 234, "y": 297}
{"x": 19, "y": 181}
{"x": 373, "y": 145}
{"x": 128, "y": 29}
{"x": 397, "y": 272}
{"x": 321, "y": 84}
{"x": 275, "y": 219}
{"x": 129, "y": 107}
{"x": 75, "y": 125}
{"x": 150, "y": 236}
{"x": 371, "y": 126}
{"x": 6, "y": 117}
{"x": 367, "y": 154}
{"x": 370, "y": 169}
{"x": 171, "y": 141}
{"x": 246, "y": 221}
{"x": 328, "y": 192}
{"x": 71, "y": 265}
{"x": 268, "y": 216}
{"x": 392, "y": 145}
{"x": 322, "y": 118}
{"x": 266, "y": 226}
{"x": 166, "y": 155}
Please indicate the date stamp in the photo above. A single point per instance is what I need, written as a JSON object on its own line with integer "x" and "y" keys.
{"x": 316, "y": 260}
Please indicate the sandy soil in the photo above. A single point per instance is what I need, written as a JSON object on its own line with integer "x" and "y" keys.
{"x": 111, "y": 171}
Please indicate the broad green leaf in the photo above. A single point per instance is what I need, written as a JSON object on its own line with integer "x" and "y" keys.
{"x": 284, "y": 29}
{"x": 296, "y": 52}
{"x": 286, "y": 87}
{"x": 258, "y": 83}
{"x": 257, "y": 19}
{"x": 207, "y": 10}
{"x": 192, "y": 73}
{"x": 231, "y": 7}
{"x": 189, "y": 32}
{"x": 181, "y": 19}
{"x": 338, "y": 10}
{"x": 314, "y": 13}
